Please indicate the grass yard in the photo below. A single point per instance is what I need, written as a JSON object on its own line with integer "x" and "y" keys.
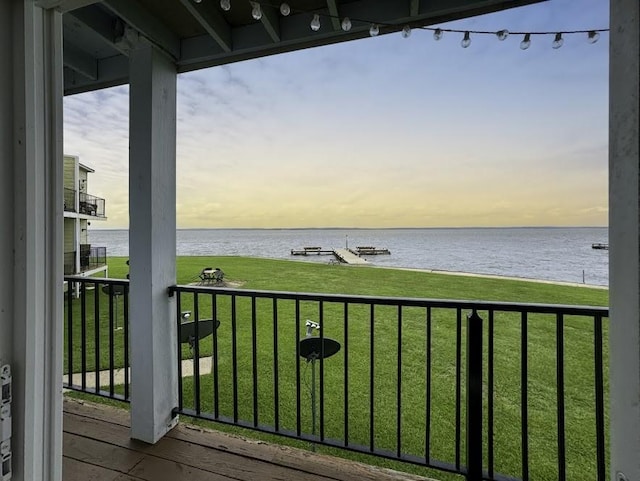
{"x": 281, "y": 275}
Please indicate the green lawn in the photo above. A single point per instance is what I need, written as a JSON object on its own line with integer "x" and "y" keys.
{"x": 262, "y": 274}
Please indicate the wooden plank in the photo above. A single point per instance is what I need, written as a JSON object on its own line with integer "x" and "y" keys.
{"x": 87, "y": 419}
{"x": 97, "y": 411}
{"x": 154, "y": 469}
{"x": 225, "y": 463}
{"x": 100, "y": 453}
{"x": 293, "y": 458}
{"x": 73, "y": 470}
{"x": 194, "y": 455}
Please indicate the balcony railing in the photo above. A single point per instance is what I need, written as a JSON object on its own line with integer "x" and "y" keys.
{"x": 486, "y": 390}
{"x": 91, "y": 205}
{"x": 90, "y": 258}
{"x": 96, "y": 340}
{"x": 88, "y": 204}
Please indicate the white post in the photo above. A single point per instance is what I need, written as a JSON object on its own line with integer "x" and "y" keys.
{"x": 152, "y": 242}
{"x": 624, "y": 239}
{"x": 31, "y": 266}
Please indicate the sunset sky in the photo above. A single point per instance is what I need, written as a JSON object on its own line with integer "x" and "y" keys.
{"x": 382, "y": 132}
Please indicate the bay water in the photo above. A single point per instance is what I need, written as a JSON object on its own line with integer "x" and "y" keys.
{"x": 547, "y": 253}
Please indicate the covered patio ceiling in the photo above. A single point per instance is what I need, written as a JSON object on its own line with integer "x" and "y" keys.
{"x": 99, "y": 35}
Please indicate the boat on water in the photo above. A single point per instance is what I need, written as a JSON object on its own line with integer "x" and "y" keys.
{"x": 600, "y": 245}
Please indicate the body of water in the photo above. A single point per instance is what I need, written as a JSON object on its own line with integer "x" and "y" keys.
{"x": 556, "y": 254}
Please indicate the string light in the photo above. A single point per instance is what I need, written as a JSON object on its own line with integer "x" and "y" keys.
{"x": 346, "y": 23}
{"x": 315, "y": 23}
{"x": 557, "y": 41}
{"x": 526, "y": 42}
{"x": 502, "y": 34}
{"x": 256, "y": 11}
{"x": 466, "y": 40}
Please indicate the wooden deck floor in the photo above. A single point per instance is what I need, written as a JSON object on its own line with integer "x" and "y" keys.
{"x": 97, "y": 447}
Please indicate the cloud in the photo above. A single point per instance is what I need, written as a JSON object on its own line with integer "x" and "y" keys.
{"x": 383, "y": 131}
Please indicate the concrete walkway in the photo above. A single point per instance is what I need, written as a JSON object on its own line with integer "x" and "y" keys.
{"x": 118, "y": 374}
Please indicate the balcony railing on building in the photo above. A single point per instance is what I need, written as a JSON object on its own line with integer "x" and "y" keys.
{"x": 90, "y": 258}
{"x": 490, "y": 391}
{"x": 87, "y": 204}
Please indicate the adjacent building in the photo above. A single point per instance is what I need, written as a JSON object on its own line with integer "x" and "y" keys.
{"x": 80, "y": 209}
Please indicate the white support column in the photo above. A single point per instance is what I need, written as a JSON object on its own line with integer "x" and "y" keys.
{"x": 152, "y": 242}
{"x": 624, "y": 239}
{"x": 31, "y": 266}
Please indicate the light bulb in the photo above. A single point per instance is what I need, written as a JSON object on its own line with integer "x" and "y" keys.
{"x": 374, "y": 30}
{"x": 406, "y": 31}
{"x": 593, "y": 37}
{"x": 437, "y": 34}
{"x": 315, "y": 23}
{"x": 197, "y": 1}
{"x": 526, "y": 42}
{"x": 225, "y": 5}
{"x": 558, "y": 41}
{"x": 346, "y": 24}
{"x": 256, "y": 11}
{"x": 285, "y": 9}
{"x": 466, "y": 41}
{"x": 502, "y": 34}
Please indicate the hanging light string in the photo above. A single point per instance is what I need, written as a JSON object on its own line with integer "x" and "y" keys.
{"x": 346, "y": 24}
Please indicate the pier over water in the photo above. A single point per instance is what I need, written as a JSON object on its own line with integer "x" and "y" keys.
{"x": 346, "y": 255}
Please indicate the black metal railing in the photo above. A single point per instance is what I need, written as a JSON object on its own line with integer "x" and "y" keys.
{"x": 483, "y": 389}
{"x": 96, "y": 336}
{"x": 69, "y": 200}
{"x": 90, "y": 258}
{"x": 91, "y": 205}
{"x": 486, "y": 390}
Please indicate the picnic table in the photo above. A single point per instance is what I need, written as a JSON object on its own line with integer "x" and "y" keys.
{"x": 211, "y": 275}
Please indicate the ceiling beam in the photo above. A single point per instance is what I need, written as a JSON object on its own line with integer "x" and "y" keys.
{"x": 80, "y": 61}
{"x": 99, "y": 24}
{"x": 213, "y": 23}
{"x": 271, "y": 22}
{"x": 335, "y": 15}
{"x": 64, "y": 5}
{"x": 144, "y": 22}
{"x": 414, "y": 7}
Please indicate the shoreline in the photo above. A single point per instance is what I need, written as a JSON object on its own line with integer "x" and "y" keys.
{"x": 494, "y": 276}
{"x": 441, "y": 271}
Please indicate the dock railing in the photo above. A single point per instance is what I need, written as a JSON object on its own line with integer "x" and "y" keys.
{"x": 486, "y": 390}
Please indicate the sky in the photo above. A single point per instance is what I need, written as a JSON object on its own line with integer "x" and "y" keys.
{"x": 382, "y": 132}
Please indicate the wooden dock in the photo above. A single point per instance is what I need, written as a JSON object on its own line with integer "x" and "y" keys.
{"x": 348, "y": 257}
{"x": 370, "y": 251}
{"x": 309, "y": 251}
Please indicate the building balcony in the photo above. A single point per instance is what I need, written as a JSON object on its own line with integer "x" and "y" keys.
{"x": 484, "y": 390}
{"x": 87, "y": 204}
{"x": 90, "y": 258}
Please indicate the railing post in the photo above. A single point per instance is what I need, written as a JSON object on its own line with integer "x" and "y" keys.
{"x": 474, "y": 397}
